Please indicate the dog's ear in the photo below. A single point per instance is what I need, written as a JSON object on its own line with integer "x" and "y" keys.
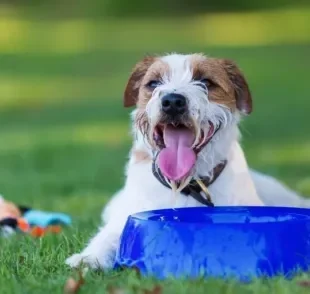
{"x": 242, "y": 91}
{"x": 134, "y": 82}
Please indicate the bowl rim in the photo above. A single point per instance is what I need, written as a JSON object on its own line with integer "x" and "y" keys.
{"x": 304, "y": 213}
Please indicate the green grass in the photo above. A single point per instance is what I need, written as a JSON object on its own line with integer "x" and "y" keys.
{"x": 64, "y": 142}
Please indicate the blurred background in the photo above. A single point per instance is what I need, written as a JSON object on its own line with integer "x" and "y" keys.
{"x": 64, "y": 65}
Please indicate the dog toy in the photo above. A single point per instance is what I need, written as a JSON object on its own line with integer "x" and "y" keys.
{"x": 34, "y": 222}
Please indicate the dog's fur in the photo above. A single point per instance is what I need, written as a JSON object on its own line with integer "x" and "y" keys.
{"x": 221, "y": 102}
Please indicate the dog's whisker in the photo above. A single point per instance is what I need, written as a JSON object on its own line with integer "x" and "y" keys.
{"x": 184, "y": 183}
{"x": 197, "y": 131}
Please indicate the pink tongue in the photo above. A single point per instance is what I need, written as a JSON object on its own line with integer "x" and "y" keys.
{"x": 177, "y": 159}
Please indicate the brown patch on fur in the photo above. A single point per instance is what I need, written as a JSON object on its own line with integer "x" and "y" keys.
{"x": 134, "y": 82}
{"x": 242, "y": 92}
{"x": 141, "y": 156}
{"x": 229, "y": 85}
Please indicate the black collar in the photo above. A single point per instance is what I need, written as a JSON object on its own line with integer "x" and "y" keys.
{"x": 193, "y": 188}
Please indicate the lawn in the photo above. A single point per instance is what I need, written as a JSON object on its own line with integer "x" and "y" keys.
{"x": 64, "y": 139}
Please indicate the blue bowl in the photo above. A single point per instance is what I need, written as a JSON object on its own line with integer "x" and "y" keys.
{"x": 220, "y": 242}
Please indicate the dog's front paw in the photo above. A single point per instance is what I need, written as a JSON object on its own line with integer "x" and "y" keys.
{"x": 79, "y": 259}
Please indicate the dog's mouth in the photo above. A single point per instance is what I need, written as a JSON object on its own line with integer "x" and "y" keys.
{"x": 179, "y": 146}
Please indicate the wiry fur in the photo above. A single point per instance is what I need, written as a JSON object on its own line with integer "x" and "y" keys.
{"x": 237, "y": 185}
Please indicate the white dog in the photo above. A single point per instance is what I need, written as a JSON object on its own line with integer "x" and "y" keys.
{"x": 185, "y": 129}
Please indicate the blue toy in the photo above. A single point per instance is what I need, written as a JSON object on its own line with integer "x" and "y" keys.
{"x": 221, "y": 242}
{"x": 44, "y": 219}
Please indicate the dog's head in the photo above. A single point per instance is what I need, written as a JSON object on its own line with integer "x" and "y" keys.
{"x": 187, "y": 110}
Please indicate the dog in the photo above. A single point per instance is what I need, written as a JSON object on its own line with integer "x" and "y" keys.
{"x": 186, "y": 150}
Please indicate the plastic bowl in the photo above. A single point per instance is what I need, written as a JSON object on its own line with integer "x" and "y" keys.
{"x": 221, "y": 242}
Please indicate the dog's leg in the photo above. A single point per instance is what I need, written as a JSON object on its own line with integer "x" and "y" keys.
{"x": 101, "y": 249}
{"x": 100, "y": 252}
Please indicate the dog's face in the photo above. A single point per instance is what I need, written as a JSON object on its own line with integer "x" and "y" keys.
{"x": 183, "y": 102}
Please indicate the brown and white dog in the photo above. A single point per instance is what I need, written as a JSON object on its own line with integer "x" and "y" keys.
{"x": 185, "y": 126}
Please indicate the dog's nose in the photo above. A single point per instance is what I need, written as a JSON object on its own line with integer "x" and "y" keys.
{"x": 173, "y": 104}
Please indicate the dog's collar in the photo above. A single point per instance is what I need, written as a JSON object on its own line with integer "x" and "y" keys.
{"x": 194, "y": 188}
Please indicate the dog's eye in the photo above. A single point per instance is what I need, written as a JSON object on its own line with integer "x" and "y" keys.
{"x": 153, "y": 84}
{"x": 207, "y": 83}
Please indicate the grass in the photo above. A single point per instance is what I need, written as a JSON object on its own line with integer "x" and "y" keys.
{"x": 64, "y": 142}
